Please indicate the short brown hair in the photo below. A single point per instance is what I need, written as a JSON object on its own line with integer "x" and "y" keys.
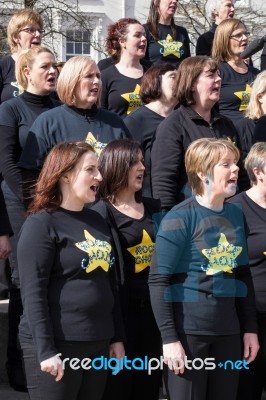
{"x": 151, "y": 85}
{"x": 61, "y": 159}
{"x": 221, "y": 42}
{"x": 114, "y": 164}
{"x": 18, "y": 21}
{"x": 26, "y": 59}
{"x": 202, "y": 155}
{"x": 188, "y": 72}
{"x": 70, "y": 76}
{"x": 255, "y": 159}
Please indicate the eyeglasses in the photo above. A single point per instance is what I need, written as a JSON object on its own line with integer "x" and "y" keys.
{"x": 32, "y": 31}
{"x": 240, "y": 35}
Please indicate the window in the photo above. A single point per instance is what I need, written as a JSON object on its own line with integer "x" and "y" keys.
{"x": 77, "y": 42}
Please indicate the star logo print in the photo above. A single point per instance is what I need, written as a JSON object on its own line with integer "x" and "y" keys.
{"x": 170, "y": 46}
{"x": 222, "y": 257}
{"x": 244, "y": 96}
{"x": 142, "y": 252}
{"x": 99, "y": 252}
{"x": 133, "y": 99}
{"x": 98, "y": 146}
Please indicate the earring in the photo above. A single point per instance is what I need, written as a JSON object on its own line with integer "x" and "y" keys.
{"x": 207, "y": 181}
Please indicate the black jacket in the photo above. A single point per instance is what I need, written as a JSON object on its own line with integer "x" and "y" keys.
{"x": 173, "y": 136}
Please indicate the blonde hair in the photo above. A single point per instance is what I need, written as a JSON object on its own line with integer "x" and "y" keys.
{"x": 221, "y": 47}
{"x": 18, "y": 22}
{"x": 26, "y": 59}
{"x": 202, "y": 155}
{"x": 255, "y": 159}
{"x": 69, "y": 77}
{"x": 254, "y": 109}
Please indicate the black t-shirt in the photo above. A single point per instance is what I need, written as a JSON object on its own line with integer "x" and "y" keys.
{"x": 166, "y": 48}
{"x": 137, "y": 238}
{"x": 235, "y": 91}
{"x": 65, "y": 259}
{"x": 120, "y": 93}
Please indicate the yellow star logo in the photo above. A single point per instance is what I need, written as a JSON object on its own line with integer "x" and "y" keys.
{"x": 99, "y": 252}
{"x": 221, "y": 257}
{"x": 98, "y": 146}
{"x": 133, "y": 99}
{"x": 170, "y": 46}
{"x": 229, "y": 139}
{"x": 142, "y": 252}
{"x": 264, "y": 253}
{"x": 244, "y": 96}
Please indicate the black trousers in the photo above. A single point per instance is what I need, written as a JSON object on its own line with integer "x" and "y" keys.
{"x": 143, "y": 339}
{"x": 253, "y": 381}
{"x": 76, "y": 384}
{"x": 202, "y": 384}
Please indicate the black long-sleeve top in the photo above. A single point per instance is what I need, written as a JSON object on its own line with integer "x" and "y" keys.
{"x": 96, "y": 125}
{"x": 5, "y": 227}
{"x": 205, "y": 41}
{"x": 260, "y": 130}
{"x": 65, "y": 261}
{"x": 173, "y": 136}
{"x": 255, "y": 218}
{"x": 120, "y": 93}
{"x": 246, "y": 128}
{"x": 8, "y": 84}
{"x": 142, "y": 124}
{"x": 200, "y": 281}
{"x": 16, "y": 117}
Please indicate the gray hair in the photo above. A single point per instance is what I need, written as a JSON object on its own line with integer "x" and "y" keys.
{"x": 210, "y": 6}
{"x": 255, "y": 159}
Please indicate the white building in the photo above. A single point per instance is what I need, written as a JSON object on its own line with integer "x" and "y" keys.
{"x": 101, "y": 13}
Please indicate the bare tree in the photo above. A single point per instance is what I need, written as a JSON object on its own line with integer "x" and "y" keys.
{"x": 59, "y": 17}
{"x": 191, "y": 14}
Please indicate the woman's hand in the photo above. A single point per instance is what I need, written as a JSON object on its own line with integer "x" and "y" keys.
{"x": 174, "y": 356}
{"x": 251, "y": 346}
{"x": 117, "y": 350}
{"x": 5, "y": 246}
{"x": 54, "y": 366}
